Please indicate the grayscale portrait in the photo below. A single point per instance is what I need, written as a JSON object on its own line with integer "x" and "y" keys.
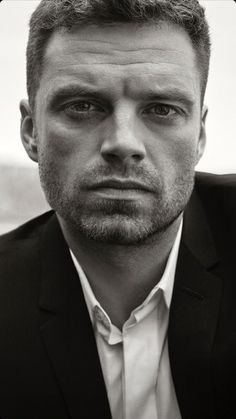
{"x": 117, "y": 217}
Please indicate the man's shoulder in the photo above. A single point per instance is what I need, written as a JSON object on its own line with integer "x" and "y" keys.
{"x": 220, "y": 188}
{"x": 217, "y": 195}
{"x": 215, "y": 181}
{"x": 26, "y": 232}
{"x": 21, "y": 262}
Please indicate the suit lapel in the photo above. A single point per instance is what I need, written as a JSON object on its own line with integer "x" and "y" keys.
{"x": 194, "y": 316}
{"x": 68, "y": 334}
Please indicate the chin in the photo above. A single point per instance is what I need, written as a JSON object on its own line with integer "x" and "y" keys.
{"x": 119, "y": 230}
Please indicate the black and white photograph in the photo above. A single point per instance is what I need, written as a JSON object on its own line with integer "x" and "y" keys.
{"x": 117, "y": 209}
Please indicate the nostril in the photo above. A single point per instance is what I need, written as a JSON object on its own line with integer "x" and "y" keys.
{"x": 114, "y": 156}
{"x": 111, "y": 158}
{"x": 137, "y": 157}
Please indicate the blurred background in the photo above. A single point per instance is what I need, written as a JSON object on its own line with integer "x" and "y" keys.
{"x": 20, "y": 195}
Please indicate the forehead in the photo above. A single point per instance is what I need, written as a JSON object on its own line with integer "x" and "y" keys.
{"x": 122, "y": 57}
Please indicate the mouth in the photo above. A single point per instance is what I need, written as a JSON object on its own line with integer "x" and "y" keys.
{"x": 120, "y": 189}
{"x": 121, "y": 185}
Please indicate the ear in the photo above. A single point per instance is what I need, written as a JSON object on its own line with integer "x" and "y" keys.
{"x": 202, "y": 135}
{"x": 28, "y": 132}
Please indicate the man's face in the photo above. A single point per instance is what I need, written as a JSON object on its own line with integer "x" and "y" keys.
{"x": 119, "y": 128}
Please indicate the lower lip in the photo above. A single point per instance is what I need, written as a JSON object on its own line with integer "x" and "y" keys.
{"x": 115, "y": 193}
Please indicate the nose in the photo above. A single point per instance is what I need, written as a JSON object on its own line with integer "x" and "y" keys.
{"x": 122, "y": 137}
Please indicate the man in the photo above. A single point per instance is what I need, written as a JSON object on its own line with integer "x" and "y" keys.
{"x": 120, "y": 303}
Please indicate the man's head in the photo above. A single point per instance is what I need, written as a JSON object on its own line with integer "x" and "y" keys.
{"x": 118, "y": 124}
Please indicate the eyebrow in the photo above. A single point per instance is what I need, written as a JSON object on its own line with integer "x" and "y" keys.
{"x": 166, "y": 95}
{"x": 172, "y": 91}
{"x": 67, "y": 91}
{"x": 75, "y": 90}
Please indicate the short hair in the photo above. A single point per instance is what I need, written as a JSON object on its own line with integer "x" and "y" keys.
{"x": 51, "y": 15}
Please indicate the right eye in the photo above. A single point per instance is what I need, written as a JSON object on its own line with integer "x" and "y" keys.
{"x": 80, "y": 108}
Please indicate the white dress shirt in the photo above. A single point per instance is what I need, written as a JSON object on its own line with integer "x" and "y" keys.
{"x": 135, "y": 361}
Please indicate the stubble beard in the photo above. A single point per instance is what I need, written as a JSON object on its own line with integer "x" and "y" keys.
{"x": 123, "y": 226}
{"x": 118, "y": 222}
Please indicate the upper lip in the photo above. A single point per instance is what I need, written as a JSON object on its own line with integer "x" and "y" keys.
{"x": 121, "y": 184}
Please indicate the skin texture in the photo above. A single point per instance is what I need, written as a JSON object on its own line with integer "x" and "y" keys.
{"x": 119, "y": 104}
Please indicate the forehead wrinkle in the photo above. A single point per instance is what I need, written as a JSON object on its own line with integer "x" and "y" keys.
{"x": 114, "y": 64}
{"x": 94, "y": 59}
{"x": 81, "y": 52}
{"x": 152, "y": 56}
{"x": 74, "y": 57}
{"x": 110, "y": 47}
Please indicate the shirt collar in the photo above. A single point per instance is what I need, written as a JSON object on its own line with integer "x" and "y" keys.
{"x": 165, "y": 284}
{"x": 167, "y": 281}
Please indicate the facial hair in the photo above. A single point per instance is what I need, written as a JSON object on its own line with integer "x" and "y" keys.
{"x": 116, "y": 221}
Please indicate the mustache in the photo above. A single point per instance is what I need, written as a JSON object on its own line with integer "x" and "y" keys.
{"x": 147, "y": 178}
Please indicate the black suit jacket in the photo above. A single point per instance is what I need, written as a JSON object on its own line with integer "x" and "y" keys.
{"x": 49, "y": 365}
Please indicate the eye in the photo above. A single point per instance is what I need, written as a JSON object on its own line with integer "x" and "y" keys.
{"x": 80, "y": 107}
{"x": 162, "y": 110}
{"x": 83, "y": 110}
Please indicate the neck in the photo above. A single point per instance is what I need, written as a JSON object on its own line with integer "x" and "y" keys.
{"x": 121, "y": 277}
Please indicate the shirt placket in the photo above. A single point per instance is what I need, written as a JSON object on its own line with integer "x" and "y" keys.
{"x": 139, "y": 372}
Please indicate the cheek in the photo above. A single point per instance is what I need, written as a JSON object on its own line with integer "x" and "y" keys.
{"x": 175, "y": 151}
{"x": 184, "y": 151}
{"x": 182, "y": 142}
{"x": 65, "y": 145}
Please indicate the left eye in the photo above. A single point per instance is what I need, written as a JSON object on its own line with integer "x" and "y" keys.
{"x": 161, "y": 110}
